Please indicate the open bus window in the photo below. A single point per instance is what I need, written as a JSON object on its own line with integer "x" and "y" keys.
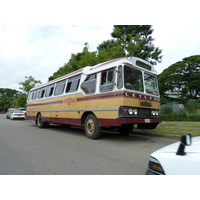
{"x": 133, "y": 79}
{"x": 89, "y": 85}
{"x": 73, "y": 84}
{"x": 151, "y": 85}
{"x": 107, "y": 80}
{"x": 49, "y": 91}
{"x": 41, "y": 93}
{"x": 59, "y": 87}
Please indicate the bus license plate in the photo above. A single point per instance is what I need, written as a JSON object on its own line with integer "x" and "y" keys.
{"x": 147, "y": 120}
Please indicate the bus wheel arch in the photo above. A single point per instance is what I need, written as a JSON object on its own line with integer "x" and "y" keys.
{"x": 91, "y": 125}
{"x": 39, "y": 122}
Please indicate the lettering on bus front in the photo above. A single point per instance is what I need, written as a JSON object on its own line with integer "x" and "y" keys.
{"x": 128, "y": 94}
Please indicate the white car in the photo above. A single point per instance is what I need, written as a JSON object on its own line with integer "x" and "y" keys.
{"x": 17, "y": 114}
{"x": 180, "y": 158}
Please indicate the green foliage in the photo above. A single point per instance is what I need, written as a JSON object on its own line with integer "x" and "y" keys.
{"x": 29, "y": 83}
{"x": 163, "y": 100}
{"x": 194, "y": 118}
{"x": 166, "y": 110}
{"x": 128, "y": 40}
{"x": 137, "y": 41}
{"x": 179, "y": 115}
{"x": 183, "y": 77}
{"x": 188, "y": 114}
{"x": 7, "y": 97}
{"x": 192, "y": 106}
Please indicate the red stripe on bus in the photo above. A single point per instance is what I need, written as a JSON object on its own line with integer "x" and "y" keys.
{"x": 102, "y": 122}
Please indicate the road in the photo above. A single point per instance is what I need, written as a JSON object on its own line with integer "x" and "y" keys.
{"x": 27, "y": 150}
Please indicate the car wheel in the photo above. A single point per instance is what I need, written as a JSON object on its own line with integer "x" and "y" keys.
{"x": 92, "y": 129}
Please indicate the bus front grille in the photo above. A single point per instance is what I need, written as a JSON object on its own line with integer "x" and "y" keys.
{"x": 144, "y": 112}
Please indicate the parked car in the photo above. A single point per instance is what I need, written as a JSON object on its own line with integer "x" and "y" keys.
{"x": 23, "y": 109}
{"x": 180, "y": 158}
{"x": 17, "y": 114}
{"x": 9, "y": 112}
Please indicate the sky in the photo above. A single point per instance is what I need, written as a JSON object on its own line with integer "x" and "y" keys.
{"x": 34, "y": 46}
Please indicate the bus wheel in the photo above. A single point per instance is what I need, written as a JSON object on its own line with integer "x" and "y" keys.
{"x": 40, "y": 123}
{"x": 125, "y": 129}
{"x": 92, "y": 129}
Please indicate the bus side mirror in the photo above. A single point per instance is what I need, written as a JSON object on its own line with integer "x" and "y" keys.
{"x": 186, "y": 140}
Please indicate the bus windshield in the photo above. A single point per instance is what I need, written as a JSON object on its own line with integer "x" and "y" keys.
{"x": 133, "y": 80}
{"x": 151, "y": 85}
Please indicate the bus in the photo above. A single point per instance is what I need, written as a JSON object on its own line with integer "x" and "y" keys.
{"x": 121, "y": 94}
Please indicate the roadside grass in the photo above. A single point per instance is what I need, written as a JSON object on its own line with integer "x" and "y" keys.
{"x": 175, "y": 128}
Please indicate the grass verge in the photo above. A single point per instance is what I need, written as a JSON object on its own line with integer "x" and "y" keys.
{"x": 175, "y": 128}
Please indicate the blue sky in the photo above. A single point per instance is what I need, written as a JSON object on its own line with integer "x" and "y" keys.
{"x": 29, "y": 46}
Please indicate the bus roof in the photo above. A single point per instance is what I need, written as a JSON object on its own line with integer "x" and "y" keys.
{"x": 140, "y": 63}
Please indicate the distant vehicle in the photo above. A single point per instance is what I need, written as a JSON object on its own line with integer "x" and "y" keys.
{"x": 22, "y": 109}
{"x": 17, "y": 114}
{"x": 9, "y": 112}
{"x": 180, "y": 158}
{"x": 2, "y": 112}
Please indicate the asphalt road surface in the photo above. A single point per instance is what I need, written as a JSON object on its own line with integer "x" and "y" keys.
{"x": 27, "y": 150}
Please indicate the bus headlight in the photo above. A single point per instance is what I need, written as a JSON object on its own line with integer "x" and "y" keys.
{"x": 154, "y": 112}
{"x": 132, "y": 111}
{"x": 125, "y": 111}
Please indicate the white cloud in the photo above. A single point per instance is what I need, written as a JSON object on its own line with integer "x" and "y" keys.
{"x": 39, "y": 51}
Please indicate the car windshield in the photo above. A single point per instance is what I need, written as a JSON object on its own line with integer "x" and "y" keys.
{"x": 18, "y": 111}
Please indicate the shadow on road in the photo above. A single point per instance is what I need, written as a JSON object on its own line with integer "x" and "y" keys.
{"x": 106, "y": 134}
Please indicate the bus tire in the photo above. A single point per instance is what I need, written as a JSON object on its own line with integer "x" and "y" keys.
{"x": 40, "y": 123}
{"x": 92, "y": 129}
{"x": 125, "y": 129}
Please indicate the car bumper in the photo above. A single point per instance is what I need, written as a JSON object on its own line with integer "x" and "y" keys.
{"x": 18, "y": 117}
{"x": 150, "y": 172}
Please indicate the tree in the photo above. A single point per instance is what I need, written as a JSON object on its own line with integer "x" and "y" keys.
{"x": 7, "y": 97}
{"x": 182, "y": 77}
{"x": 77, "y": 61}
{"x": 29, "y": 83}
{"x": 136, "y": 40}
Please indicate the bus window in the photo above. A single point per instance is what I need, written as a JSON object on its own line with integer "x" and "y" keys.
{"x": 73, "y": 84}
{"x": 49, "y": 91}
{"x": 41, "y": 93}
{"x": 151, "y": 86}
{"x": 107, "y": 80}
{"x": 119, "y": 78}
{"x": 31, "y": 95}
{"x": 59, "y": 87}
{"x": 89, "y": 85}
{"x": 133, "y": 79}
{"x": 34, "y": 96}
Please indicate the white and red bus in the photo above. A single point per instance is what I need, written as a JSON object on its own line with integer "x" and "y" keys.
{"x": 119, "y": 93}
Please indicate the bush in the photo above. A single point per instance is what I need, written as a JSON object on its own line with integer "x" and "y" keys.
{"x": 194, "y": 118}
{"x": 166, "y": 110}
{"x": 179, "y": 115}
{"x": 192, "y": 106}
